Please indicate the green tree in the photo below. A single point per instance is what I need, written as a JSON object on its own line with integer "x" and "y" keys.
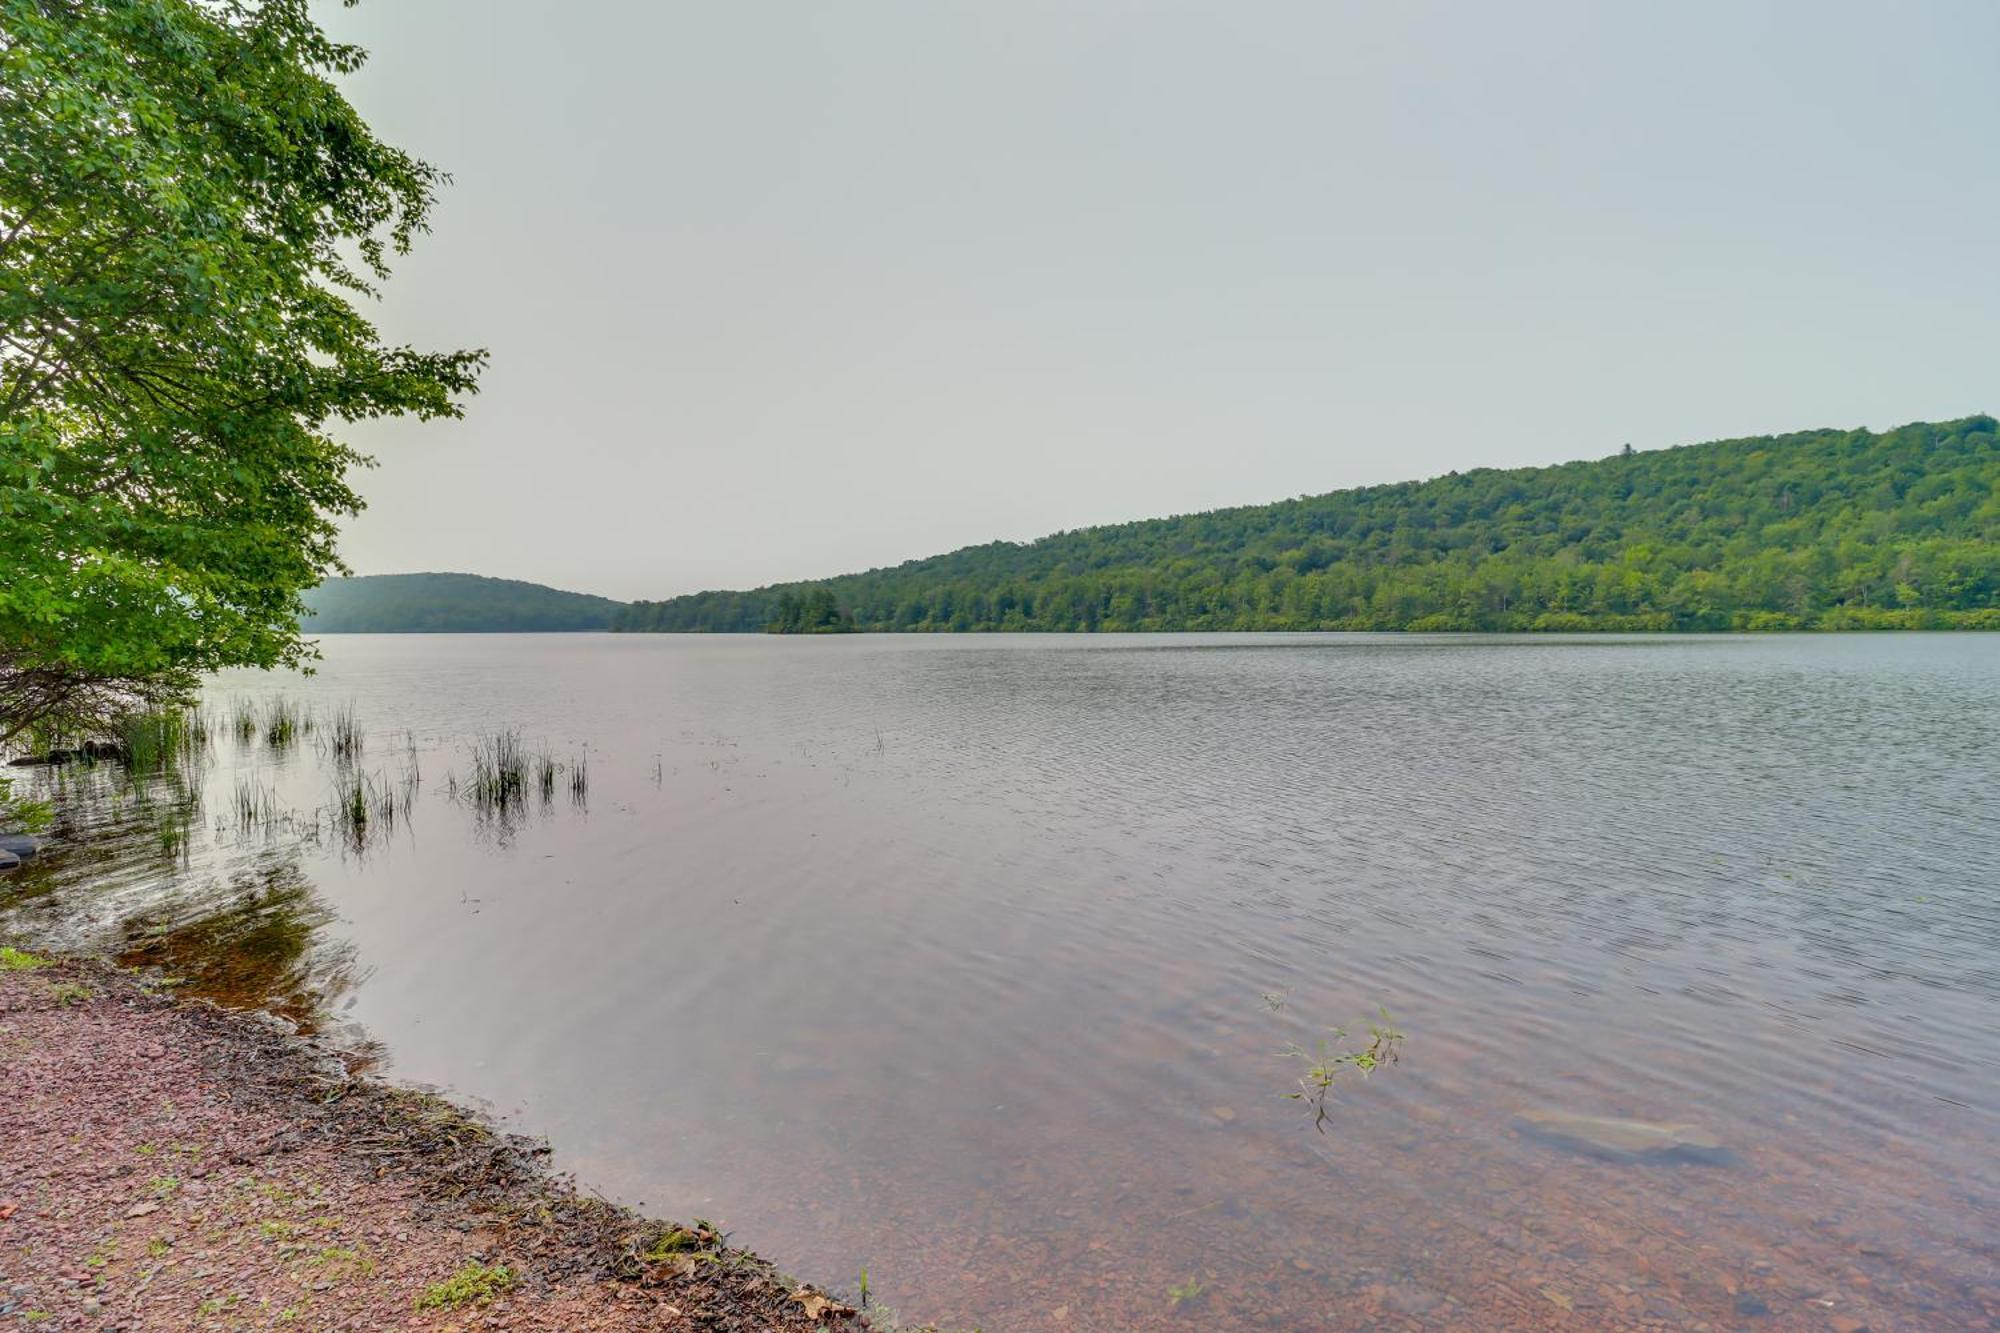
{"x": 1821, "y": 529}
{"x": 190, "y": 213}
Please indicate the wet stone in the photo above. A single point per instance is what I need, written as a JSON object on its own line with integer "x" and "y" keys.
{"x": 1619, "y": 1140}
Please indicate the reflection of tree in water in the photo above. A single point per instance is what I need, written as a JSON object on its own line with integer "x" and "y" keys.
{"x": 116, "y": 836}
{"x": 135, "y": 870}
{"x": 249, "y": 944}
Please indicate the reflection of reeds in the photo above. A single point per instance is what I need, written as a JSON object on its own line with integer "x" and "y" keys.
{"x": 579, "y": 778}
{"x": 175, "y": 815}
{"x": 256, "y": 806}
{"x": 174, "y": 824}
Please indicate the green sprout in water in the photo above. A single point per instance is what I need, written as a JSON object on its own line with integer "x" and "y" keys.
{"x": 1326, "y": 1063}
{"x": 1187, "y": 1292}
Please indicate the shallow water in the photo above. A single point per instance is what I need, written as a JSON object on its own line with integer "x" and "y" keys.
{"x": 971, "y": 960}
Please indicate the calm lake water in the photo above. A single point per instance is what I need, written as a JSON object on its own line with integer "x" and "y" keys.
{"x": 971, "y": 960}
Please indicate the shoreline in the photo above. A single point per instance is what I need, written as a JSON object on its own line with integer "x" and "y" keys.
{"x": 166, "y": 1163}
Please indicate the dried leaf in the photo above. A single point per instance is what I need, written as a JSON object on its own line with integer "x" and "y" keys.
{"x": 818, "y": 1305}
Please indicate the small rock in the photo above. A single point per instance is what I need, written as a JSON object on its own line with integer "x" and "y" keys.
{"x": 1751, "y": 1304}
{"x": 1222, "y": 1113}
{"x": 141, "y": 1209}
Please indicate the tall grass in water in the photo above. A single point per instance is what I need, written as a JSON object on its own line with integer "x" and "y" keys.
{"x": 162, "y": 740}
{"x": 169, "y": 799}
{"x": 546, "y": 769}
{"x": 256, "y": 806}
{"x": 365, "y": 807}
{"x": 243, "y": 720}
{"x": 499, "y": 771}
{"x": 176, "y": 823}
{"x": 284, "y": 723}
{"x": 579, "y": 779}
{"x": 350, "y": 810}
{"x": 343, "y": 735}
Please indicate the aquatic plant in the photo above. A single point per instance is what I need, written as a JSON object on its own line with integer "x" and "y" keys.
{"x": 1187, "y": 1292}
{"x": 1326, "y": 1063}
{"x": 161, "y": 740}
{"x": 243, "y": 720}
{"x": 255, "y": 805}
{"x": 546, "y": 769}
{"x": 284, "y": 723}
{"x": 349, "y": 809}
{"x": 391, "y": 804}
{"x": 579, "y": 778}
{"x": 499, "y": 771}
{"x": 344, "y": 736}
{"x": 18, "y": 815}
{"x": 174, "y": 825}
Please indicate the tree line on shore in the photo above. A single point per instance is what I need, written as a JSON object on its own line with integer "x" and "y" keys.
{"x": 1817, "y": 530}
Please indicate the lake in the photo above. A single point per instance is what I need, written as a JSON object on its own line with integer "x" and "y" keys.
{"x": 975, "y": 961}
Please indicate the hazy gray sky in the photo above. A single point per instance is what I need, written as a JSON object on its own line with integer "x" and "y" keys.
{"x": 786, "y": 290}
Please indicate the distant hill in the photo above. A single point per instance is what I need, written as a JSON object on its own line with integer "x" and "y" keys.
{"x": 1821, "y": 529}
{"x": 449, "y": 604}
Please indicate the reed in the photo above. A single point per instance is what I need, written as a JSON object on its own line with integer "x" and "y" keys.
{"x": 350, "y": 810}
{"x": 256, "y": 806}
{"x": 162, "y": 740}
{"x": 284, "y": 723}
{"x": 344, "y": 735}
{"x": 499, "y": 771}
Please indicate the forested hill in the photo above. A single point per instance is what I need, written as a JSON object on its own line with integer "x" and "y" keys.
{"x": 449, "y": 603}
{"x": 1821, "y": 529}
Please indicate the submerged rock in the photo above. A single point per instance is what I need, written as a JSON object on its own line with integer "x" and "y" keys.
{"x": 8, "y": 860}
{"x": 21, "y": 846}
{"x": 1624, "y": 1140}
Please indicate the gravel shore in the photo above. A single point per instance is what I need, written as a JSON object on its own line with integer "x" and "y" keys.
{"x": 171, "y": 1165}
